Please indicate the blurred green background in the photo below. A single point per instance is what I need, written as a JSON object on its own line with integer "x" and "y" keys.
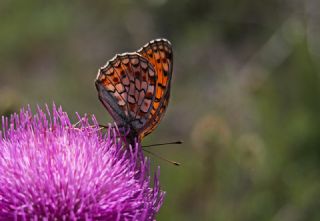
{"x": 245, "y": 93}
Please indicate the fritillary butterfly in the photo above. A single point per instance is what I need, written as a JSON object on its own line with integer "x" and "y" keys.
{"x": 135, "y": 87}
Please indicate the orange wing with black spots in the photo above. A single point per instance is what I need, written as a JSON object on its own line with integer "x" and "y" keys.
{"x": 135, "y": 87}
{"x": 126, "y": 87}
{"x": 159, "y": 54}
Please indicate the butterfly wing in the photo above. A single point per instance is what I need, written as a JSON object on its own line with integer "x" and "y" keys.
{"x": 127, "y": 87}
{"x": 159, "y": 53}
{"x": 135, "y": 87}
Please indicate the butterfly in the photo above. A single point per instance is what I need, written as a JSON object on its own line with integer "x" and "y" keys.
{"x": 135, "y": 87}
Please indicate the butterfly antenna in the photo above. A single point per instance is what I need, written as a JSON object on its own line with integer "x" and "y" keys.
{"x": 161, "y": 144}
{"x": 162, "y": 158}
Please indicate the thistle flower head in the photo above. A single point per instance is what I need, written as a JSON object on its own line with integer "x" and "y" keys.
{"x": 52, "y": 170}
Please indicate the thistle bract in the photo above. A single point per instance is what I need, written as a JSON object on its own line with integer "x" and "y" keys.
{"x": 53, "y": 170}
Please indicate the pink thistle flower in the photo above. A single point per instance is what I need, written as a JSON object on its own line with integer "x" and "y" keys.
{"x": 52, "y": 170}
